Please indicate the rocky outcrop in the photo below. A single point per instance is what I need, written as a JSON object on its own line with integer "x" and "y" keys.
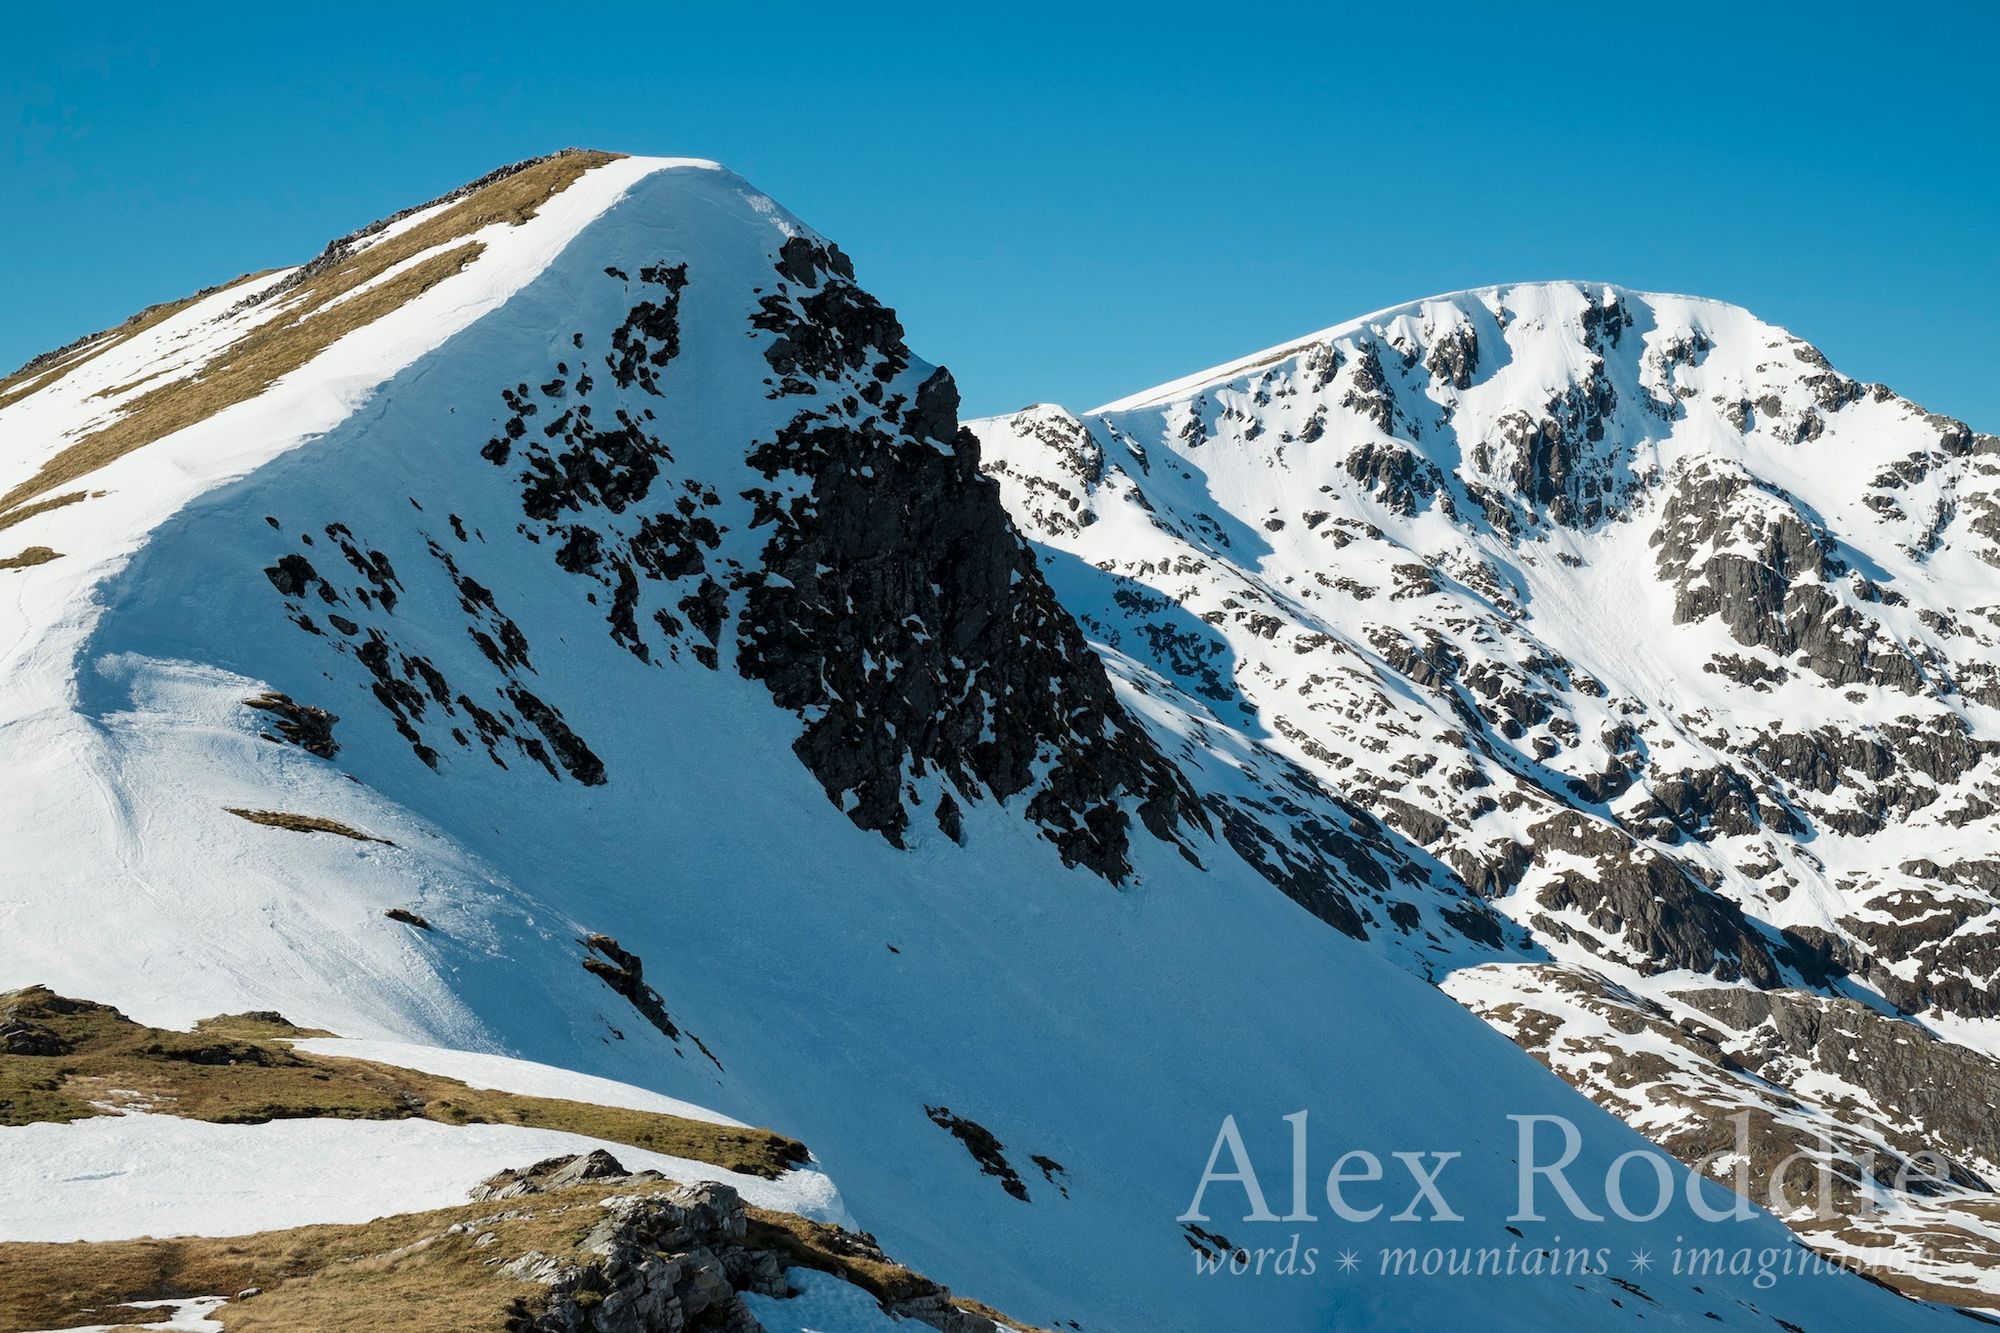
{"x": 1550, "y": 459}
{"x": 1738, "y": 549}
{"x": 897, "y": 610}
{"x": 1940, "y": 955}
{"x": 668, "y": 1258}
{"x": 1074, "y": 464}
{"x": 428, "y": 709}
{"x": 1909, "y": 1073}
{"x": 1663, "y": 915}
{"x": 1859, "y": 779}
{"x": 1369, "y": 393}
{"x": 877, "y": 588}
{"x": 584, "y": 462}
{"x": 988, "y": 1151}
{"x": 1454, "y": 356}
{"x": 309, "y": 728}
{"x": 1397, "y": 476}
{"x": 655, "y": 1263}
{"x": 1775, "y": 1086}
{"x": 1705, "y": 804}
{"x": 625, "y": 972}
{"x": 21, "y": 1035}
{"x": 557, "y": 1173}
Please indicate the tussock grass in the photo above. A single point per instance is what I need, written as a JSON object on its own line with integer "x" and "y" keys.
{"x": 26, "y": 512}
{"x": 34, "y": 555}
{"x": 1949, "y": 1244}
{"x": 242, "y": 371}
{"x": 305, "y": 824}
{"x": 434, "y": 1270}
{"x": 50, "y": 367}
{"x": 311, "y": 316}
{"x": 241, "y": 1069}
{"x": 405, "y": 1272}
{"x": 258, "y": 1025}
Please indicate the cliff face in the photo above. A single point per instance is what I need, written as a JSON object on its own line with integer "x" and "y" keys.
{"x": 898, "y": 610}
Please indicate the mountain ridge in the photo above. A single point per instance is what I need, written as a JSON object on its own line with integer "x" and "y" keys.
{"x": 1236, "y": 366}
{"x": 693, "y": 689}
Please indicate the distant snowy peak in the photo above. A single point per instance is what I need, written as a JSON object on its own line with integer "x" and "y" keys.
{"x": 1527, "y": 413}
{"x": 1544, "y": 530}
{"x": 1620, "y": 634}
{"x": 1537, "y": 379}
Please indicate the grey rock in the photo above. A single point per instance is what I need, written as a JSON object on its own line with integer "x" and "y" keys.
{"x": 553, "y": 1173}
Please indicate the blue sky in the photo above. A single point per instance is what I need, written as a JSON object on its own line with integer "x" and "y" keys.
{"x": 1074, "y": 202}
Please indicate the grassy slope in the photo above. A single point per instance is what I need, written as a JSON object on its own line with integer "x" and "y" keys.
{"x": 241, "y": 1069}
{"x": 415, "y": 1272}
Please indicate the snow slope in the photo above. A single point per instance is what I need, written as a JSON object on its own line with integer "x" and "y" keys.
{"x": 1008, "y": 915}
{"x": 120, "y": 1177}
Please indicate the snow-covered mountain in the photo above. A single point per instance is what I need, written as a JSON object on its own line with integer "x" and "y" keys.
{"x": 565, "y": 621}
{"x": 1661, "y": 655}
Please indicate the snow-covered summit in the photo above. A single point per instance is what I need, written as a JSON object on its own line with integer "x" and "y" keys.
{"x": 1549, "y": 295}
{"x": 1647, "y": 643}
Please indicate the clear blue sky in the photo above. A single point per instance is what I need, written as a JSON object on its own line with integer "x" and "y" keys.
{"x": 1075, "y": 202}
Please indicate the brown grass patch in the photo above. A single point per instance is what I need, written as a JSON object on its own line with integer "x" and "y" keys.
{"x": 1947, "y": 1245}
{"x": 405, "y": 1272}
{"x": 242, "y": 371}
{"x": 305, "y": 824}
{"x": 26, "y": 512}
{"x": 28, "y": 559}
{"x": 46, "y": 370}
{"x": 241, "y": 1069}
{"x": 309, "y": 321}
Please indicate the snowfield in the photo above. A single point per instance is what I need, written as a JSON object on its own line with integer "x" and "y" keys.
{"x": 125, "y": 1176}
